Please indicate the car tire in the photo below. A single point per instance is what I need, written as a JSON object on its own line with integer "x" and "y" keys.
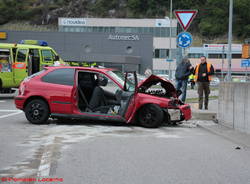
{"x": 37, "y": 111}
{"x": 150, "y": 116}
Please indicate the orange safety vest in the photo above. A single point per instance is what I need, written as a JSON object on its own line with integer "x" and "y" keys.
{"x": 197, "y": 71}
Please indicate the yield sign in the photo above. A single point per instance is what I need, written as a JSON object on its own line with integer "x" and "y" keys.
{"x": 185, "y": 17}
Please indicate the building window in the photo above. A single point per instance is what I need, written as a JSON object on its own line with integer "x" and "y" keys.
{"x": 112, "y": 29}
{"x": 156, "y": 72}
{"x": 236, "y": 56}
{"x": 216, "y": 56}
{"x": 157, "y": 53}
{"x": 161, "y": 53}
{"x": 174, "y": 32}
{"x": 195, "y": 55}
{"x": 155, "y": 31}
{"x": 95, "y": 29}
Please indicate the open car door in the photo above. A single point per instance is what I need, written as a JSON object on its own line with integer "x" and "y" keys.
{"x": 130, "y": 90}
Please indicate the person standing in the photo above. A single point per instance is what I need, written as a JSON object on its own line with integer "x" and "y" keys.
{"x": 202, "y": 76}
{"x": 183, "y": 70}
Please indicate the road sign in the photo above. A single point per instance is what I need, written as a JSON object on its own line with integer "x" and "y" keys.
{"x": 169, "y": 60}
{"x": 245, "y": 63}
{"x": 184, "y": 40}
{"x": 185, "y": 17}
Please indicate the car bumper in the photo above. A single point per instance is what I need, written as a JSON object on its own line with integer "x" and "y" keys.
{"x": 19, "y": 102}
{"x": 186, "y": 111}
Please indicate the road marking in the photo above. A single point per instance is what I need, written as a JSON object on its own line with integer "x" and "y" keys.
{"x": 9, "y": 110}
{"x": 46, "y": 159}
{"x": 44, "y": 167}
{"x": 11, "y": 114}
{"x": 2, "y": 101}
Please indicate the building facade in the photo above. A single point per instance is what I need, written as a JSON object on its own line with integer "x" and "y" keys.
{"x": 217, "y": 55}
{"x": 163, "y": 31}
{"x": 124, "y": 51}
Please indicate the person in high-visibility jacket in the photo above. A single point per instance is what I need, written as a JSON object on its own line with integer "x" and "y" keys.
{"x": 202, "y": 76}
{"x": 191, "y": 80}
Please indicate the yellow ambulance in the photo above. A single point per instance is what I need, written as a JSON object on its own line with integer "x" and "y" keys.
{"x": 18, "y": 61}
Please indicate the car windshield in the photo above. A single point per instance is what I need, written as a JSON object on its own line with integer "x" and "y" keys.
{"x": 120, "y": 78}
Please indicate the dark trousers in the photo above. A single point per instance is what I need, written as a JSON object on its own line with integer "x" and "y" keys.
{"x": 182, "y": 85}
{"x": 203, "y": 87}
{"x": 97, "y": 98}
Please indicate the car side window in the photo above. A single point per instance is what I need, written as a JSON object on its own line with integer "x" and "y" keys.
{"x": 47, "y": 56}
{"x": 63, "y": 76}
{"x": 21, "y": 55}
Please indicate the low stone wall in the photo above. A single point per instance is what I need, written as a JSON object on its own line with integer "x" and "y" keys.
{"x": 234, "y": 105}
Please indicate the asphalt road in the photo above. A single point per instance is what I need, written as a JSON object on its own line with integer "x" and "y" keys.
{"x": 106, "y": 153}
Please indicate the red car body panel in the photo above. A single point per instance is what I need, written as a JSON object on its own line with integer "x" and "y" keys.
{"x": 63, "y": 99}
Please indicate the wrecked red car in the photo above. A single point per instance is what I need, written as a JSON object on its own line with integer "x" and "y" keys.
{"x": 99, "y": 94}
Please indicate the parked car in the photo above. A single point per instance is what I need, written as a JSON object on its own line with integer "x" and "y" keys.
{"x": 215, "y": 81}
{"x": 68, "y": 92}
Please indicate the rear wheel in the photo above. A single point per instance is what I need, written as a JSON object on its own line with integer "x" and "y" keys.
{"x": 150, "y": 116}
{"x": 37, "y": 111}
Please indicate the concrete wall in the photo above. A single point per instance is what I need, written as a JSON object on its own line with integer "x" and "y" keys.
{"x": 234, "y": 105}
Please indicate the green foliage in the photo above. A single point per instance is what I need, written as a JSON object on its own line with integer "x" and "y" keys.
{"x": 210, "y": 22}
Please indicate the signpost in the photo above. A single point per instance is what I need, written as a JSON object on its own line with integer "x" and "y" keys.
{"x": 184, "y": 40}
{"x": 185, "y": 17}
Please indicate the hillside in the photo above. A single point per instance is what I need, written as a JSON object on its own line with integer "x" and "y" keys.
{"x": 211, "y": 22}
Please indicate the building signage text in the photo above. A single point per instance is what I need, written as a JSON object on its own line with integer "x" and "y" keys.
{"x": 124, "y": 37}
{"x": 72, "y": 22}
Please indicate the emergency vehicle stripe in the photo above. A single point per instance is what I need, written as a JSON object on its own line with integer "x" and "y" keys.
{"x": 19, "y": 65}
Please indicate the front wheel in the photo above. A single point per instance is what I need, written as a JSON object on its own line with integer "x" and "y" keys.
{"x": 150, "y": 116}
{"x": 37, "y": 111}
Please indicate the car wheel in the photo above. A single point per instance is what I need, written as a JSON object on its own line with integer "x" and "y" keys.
{"x": 150, "y": 116}
{"x": 37, "y": 111}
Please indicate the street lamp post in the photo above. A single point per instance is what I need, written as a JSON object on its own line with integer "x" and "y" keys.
{"x": 229, "y": 52}
{"x": 170, "y": 45}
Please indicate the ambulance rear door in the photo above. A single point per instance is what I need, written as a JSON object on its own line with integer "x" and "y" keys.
{"x": 6, "y": 74}
{"x": 20, "y": 66}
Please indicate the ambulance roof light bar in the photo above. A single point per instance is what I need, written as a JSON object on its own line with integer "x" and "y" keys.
{"x": 34, "y": 42}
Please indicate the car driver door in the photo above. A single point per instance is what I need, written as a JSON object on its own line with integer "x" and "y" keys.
{"x": 128, "y": 98}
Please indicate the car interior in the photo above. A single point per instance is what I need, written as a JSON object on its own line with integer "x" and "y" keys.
{"x": 93, "y": 98}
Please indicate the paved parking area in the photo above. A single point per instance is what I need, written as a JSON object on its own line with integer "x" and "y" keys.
{"x": 96, "y": 152}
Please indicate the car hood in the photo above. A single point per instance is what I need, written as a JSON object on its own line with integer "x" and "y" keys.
{"x": 153, "y": 79}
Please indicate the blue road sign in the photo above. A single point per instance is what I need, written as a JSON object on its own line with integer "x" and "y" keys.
{"x": 169, "y": 60}
{"x": 184, "y": 39}
{"x": 245, "y": 63}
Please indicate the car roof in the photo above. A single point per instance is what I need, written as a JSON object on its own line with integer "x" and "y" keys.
{"x": 81, "y": 68}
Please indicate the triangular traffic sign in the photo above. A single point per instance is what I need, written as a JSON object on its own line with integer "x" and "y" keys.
{"x": 185, "y": 17}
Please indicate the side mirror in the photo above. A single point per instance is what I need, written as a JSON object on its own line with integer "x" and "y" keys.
{"x": 178, "y": 93}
